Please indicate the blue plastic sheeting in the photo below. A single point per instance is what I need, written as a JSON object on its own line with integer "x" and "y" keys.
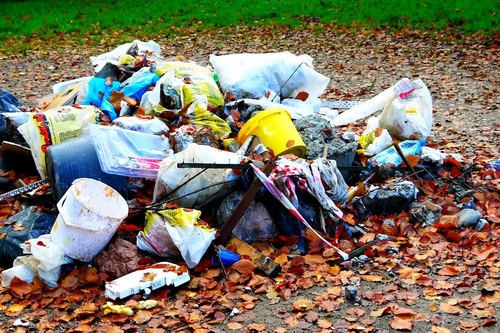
{"x": 98, "y": 86}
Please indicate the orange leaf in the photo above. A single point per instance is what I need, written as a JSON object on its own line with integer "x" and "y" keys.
{"x": 483, "y": 313}
{"x": 14, "y": 310}
{"x": 244, "y": 266}
{"x": 372, "y": 278}
{"x": 450, "y": 309}
{"x": 448, "y": 271}
{"x": 485, "y": 253}
{"x": 468, "y": 325}
{"x": 302, "y": 305}
{"x": 453, "y": 236}
{"x": 323, "y": 323}
{"x": 257, "y": 327}
{"x": 20, "y": 288}
{"x": 302, "y": 96}
{"x": 3, "y": 235}
{"x": 401, "y": 324}
{"x": 142, "y": 316}
{"x": 433, "y": 307}
{"x": 412, "y": 159}
{"x": 234, "y": 326}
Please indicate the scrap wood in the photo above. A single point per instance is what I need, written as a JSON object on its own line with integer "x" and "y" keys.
{"x": 265, "y": 264}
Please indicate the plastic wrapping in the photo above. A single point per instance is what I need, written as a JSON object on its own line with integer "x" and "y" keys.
{"x": 248, "y": 75}
{"x": 172, "y": 232}
{"x": 129, "y": 153}
{"x": 53, "y": 126}
{"x": 391, "y": 156}
{"x": 170, "y": 177}
{"x": 149, "y": 126}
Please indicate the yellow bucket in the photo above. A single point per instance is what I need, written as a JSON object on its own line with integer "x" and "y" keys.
{"x": 275, "y": 129}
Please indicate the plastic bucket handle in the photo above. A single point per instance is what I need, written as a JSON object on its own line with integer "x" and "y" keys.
{"x": 69, "y": 224}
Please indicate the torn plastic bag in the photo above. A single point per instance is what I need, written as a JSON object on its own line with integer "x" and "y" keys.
{"x": 179, "y": 227}
{"x": 140, "y": 85}
{"x": 196, "y": 80}
{"x": 332, "y": 179}
{"x": 256, "y": 225}
{"x": 45, "y": 259}
{"x": 144, "y": 125}
{"x": 35, "y": 224}
{"x": 198, "y": 114}
{"x": 402, "y": 87}
{"x": 374, "y": 142}
{"x": 187, "y": 134}
{"x": 114, "y": 56}
{"x": 170, "y": 177}
{"x": 98, "y": 94}
{"x": 391, "y": 156}
{"x": 53, "y": 126}
{"x": 248, "y": 75}
{"x": 129, "y": 153}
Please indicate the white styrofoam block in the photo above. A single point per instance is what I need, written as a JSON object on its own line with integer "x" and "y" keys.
{"x": 134, "y": 282}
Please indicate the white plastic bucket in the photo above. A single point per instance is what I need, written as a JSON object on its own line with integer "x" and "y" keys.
{"x": 89, "y": 214}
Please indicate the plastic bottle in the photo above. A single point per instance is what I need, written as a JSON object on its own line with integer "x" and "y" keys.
{"x": 390, "y": 155}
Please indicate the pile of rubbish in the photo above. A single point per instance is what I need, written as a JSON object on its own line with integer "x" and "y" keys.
{"x": 164, "y": 159}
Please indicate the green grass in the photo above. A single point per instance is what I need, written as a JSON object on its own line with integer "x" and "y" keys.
{"x": 105, "y": 19}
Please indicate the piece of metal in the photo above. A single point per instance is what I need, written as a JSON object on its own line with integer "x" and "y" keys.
{"x": 339, "y": 104}
{"x": 24, "y": 189}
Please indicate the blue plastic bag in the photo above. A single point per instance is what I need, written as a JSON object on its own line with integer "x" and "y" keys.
{"x": 97, "y": 86}
{"x": 8, "y": 103}
{"x": 390, "y": 155}
{"x": 139, "y": 87}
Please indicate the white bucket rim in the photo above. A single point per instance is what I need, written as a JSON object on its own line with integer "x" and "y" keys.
{"x": 120, "y": 198}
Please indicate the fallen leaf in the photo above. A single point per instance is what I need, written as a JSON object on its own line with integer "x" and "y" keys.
{"x": 234, "y": 326}
{"x": 302, "y": 305}
{"x": 372, "y": 278}
{"x": 450, "y": 309}
{"x": 483, "y": 313}
{"x": 142, "y": 316}
{"x": 14, "y": 310}
{"x": 114, "y": 329}
{"x": 448, "y": 271}
{"x": 467, "y": 325}
{"x": 257, "y": 327}
{"x": 401, "y": 324}
{"x": 244, "y": 266}
{"x": 323, "y": 323}
{"x": 20, "y": 288}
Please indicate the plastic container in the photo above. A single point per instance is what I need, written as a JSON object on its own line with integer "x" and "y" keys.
{"x": 275, "y": 129}
{"x": 390, "y": 155}
{"x": 89, "y": 214}
{"x": 227, "y": 257}
{"x": 77, "y": 158}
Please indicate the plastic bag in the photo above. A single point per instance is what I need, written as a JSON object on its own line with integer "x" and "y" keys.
{"x": 12, "y": 122}
{"x": 8, "y": 104}
{"x": 53, "y": 126}
{"x": 198, "y": 114}
{"x": 36, "y": 223}
{"x": 256, "y": 225}
{"x": 98, "y": 94}
{"x": 409, "y": 118}
{"x": 255, "y": 75}
{"x": 374, "y": 104}
{"x": 149, "y": 126}
{"x": 196, "y": 80}
{"x": 139, "y": 84}
{"x": 119, "y": 52}
{"x": 45, "y": 259}
{"x": 187, "y": 134}
{"x": 170, "y": 176}
{"x": 173, "y": 231}
{"x": 255, "y": 105}
{"x": 372, "y": 144}
{"x": 129, "y": 153}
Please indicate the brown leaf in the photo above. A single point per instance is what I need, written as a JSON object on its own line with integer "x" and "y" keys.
{"x": 114, "y": 329}
{"x": 483, "y": 313}
{"x": 257, "y": 327}
{"x": 401, "y": 324}
{"x": 16, "y": 227}
{"x": 329, "y": 306}
{"x": 302, "y": 305}
{"x": 372, "y": 278}
{"x": 14, "y": 310}
{"x": 234, "y": 326}
{"x": 467, "y": 325}
{"x": 323, "y": 323}
{"x": 450, "y": 309}
{"x": 3, "y": 235}
{"x": 20, "y": 288}
{"x": 244, "y": 266}
{"x": 292, "y": 321}
{"x": 142, "y": 316}
{"x": 412, "y": 159}
{"x": 448, "y": 271}
{"x": 302, "y": 96}
{"x": 109, "y": 81}
{"x": 485, "y": 253}
{"x": 356, "y": 311}
{"x": 312, "y": 316}
{"x": 92, "y": 275}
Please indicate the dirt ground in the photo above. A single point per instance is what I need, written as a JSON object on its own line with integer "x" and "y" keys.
{"x": 463, "y": 77}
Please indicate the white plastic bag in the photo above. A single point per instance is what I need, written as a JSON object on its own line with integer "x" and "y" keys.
{"x": 409, "y": 118}
{"x": 249, "y": 75}
{"x": 374, "y": 104}
{"x": 116, "y": 54}
{"x": 170, "y": 176}
{"x": 181, "y": 227}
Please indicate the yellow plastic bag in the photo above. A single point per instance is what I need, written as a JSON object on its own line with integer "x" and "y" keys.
{"x": 173, "y": 231}
{"x": 199, "y": 115}
{"x": 197, "y": 81}
{"x": 56, "y": 125}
